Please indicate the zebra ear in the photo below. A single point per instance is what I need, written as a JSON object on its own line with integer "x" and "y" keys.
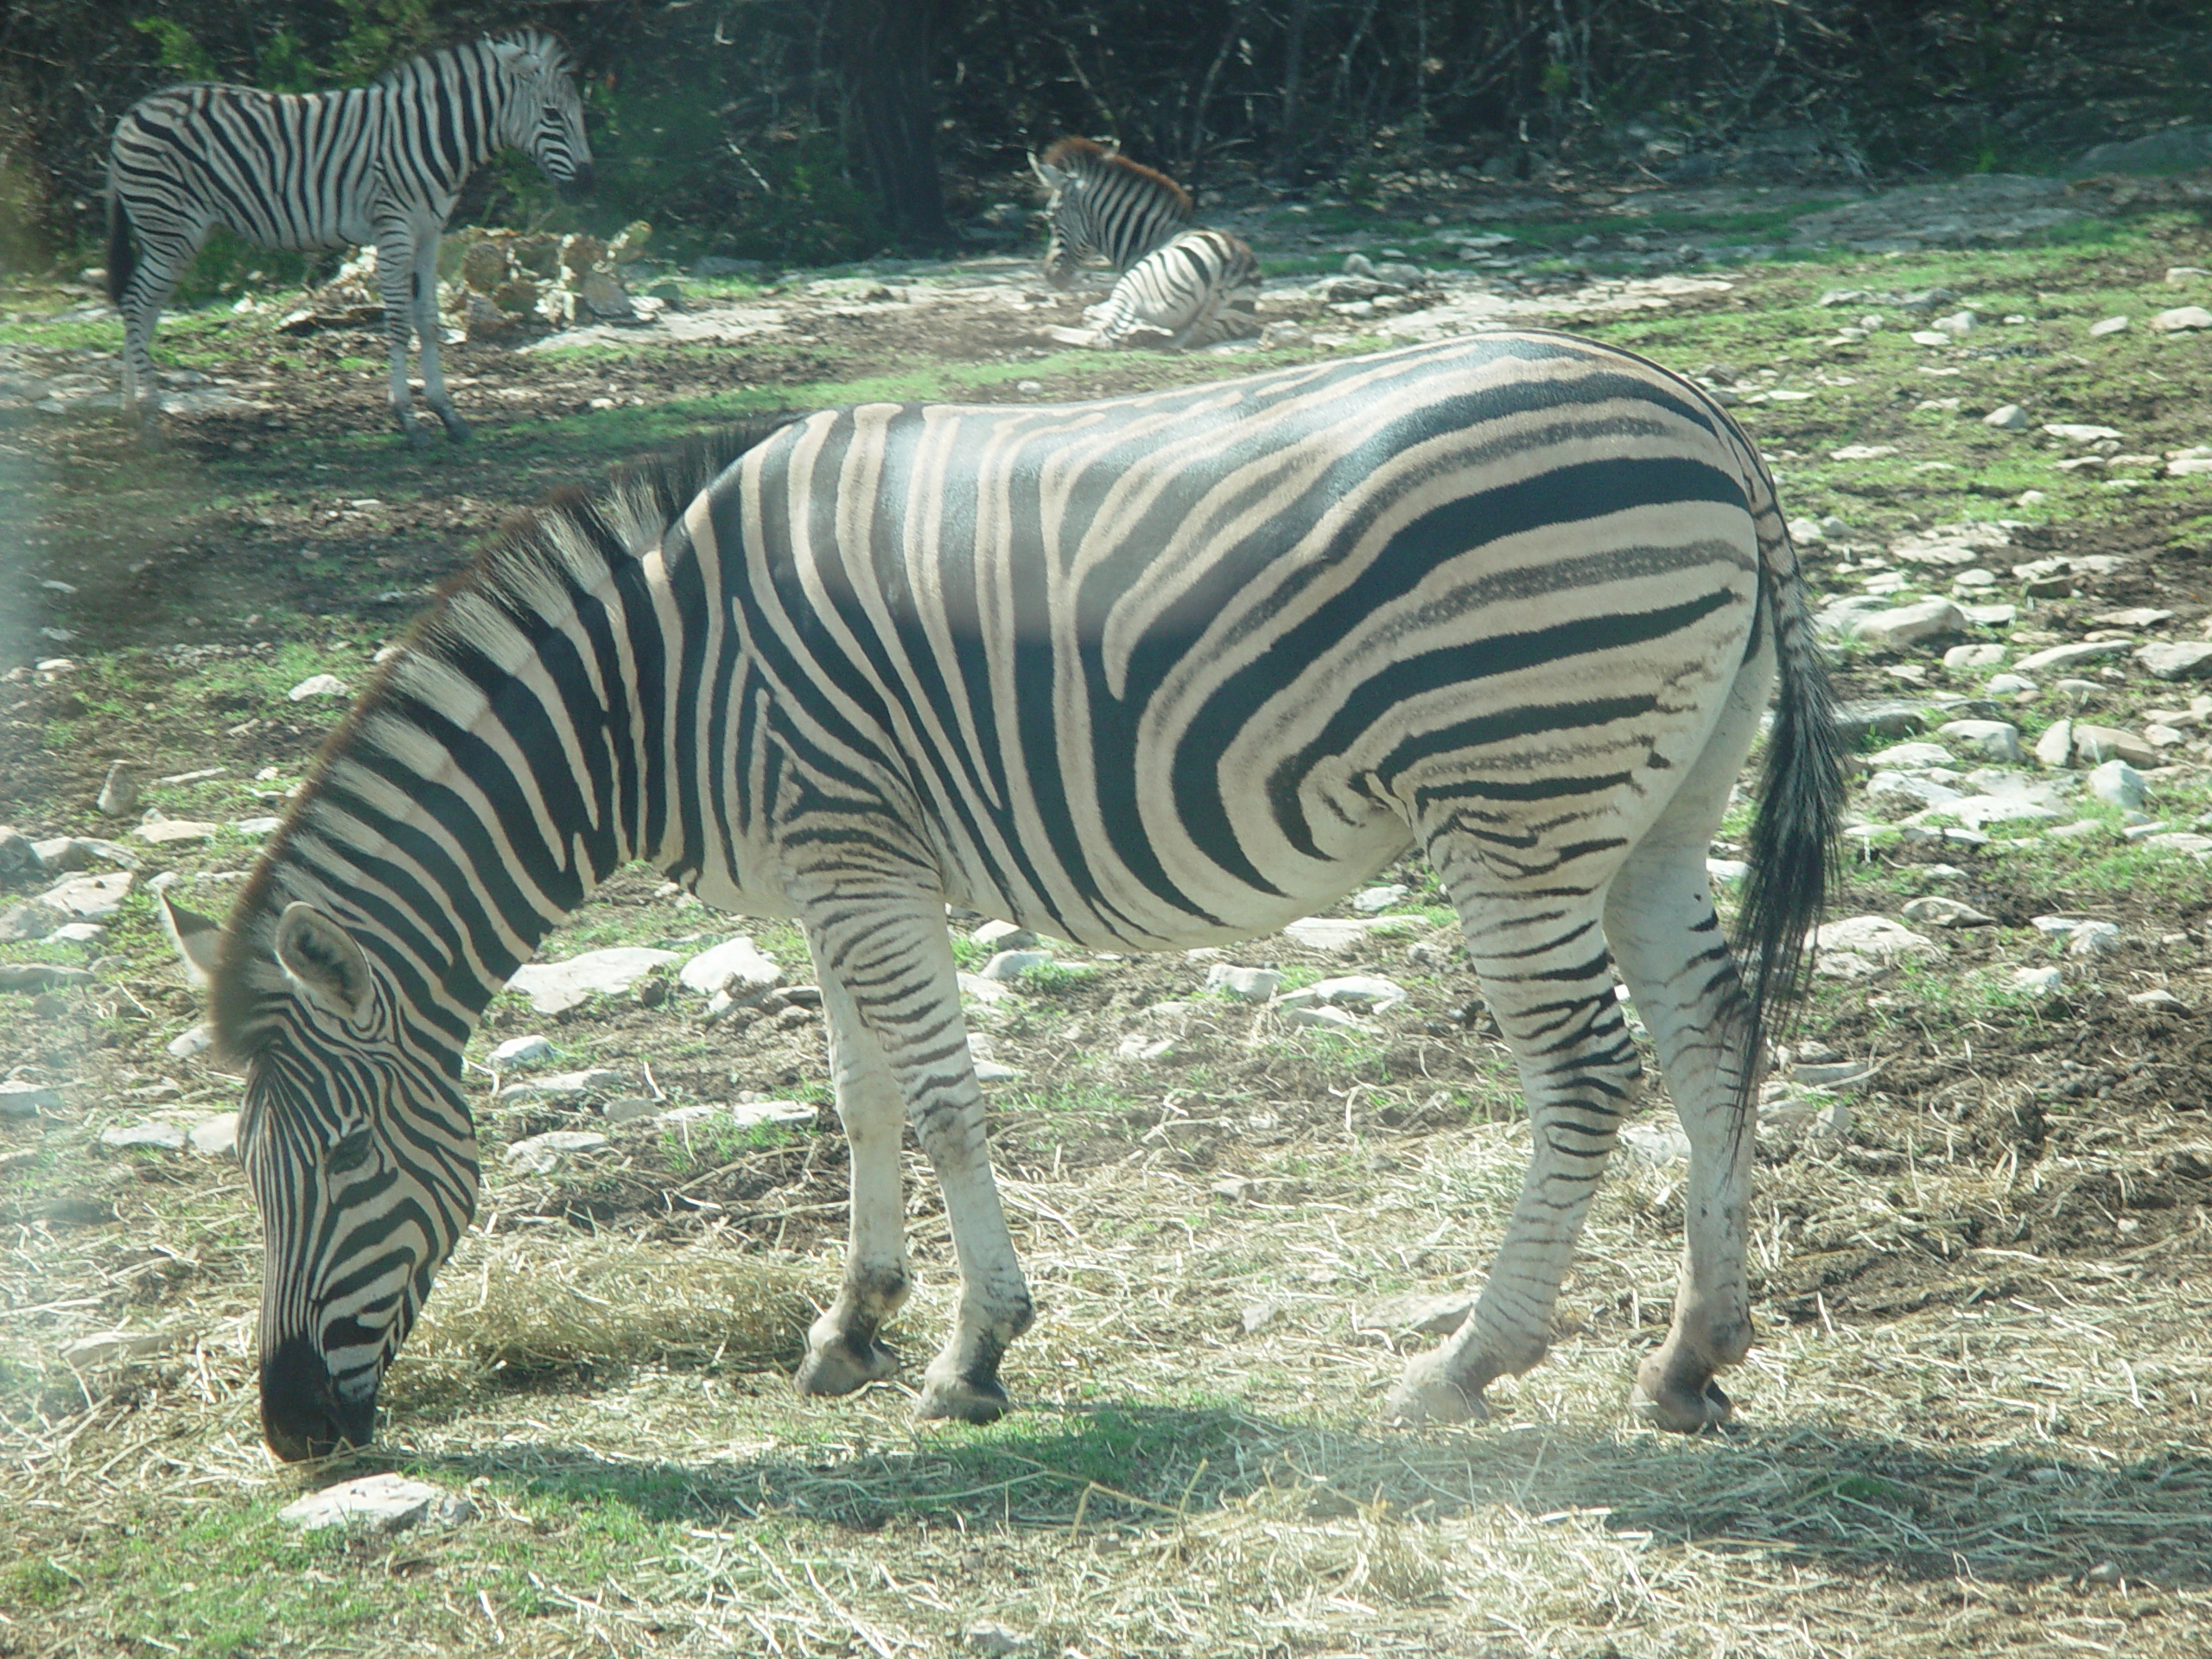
{"x": 517, "y": 60}
{"x": 197, "y": 940}
{"x": 1048, "y": 176}
{"x": 324, "y": 963}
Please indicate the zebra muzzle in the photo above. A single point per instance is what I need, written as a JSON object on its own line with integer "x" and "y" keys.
{"x": 303, "y": 1415}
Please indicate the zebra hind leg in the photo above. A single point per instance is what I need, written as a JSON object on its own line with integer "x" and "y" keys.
{"x": 844, "y": 1349}
{"x": 424, "y": 298}
{"x": 396, "y": 282}
{"x": 1543, "y": 966}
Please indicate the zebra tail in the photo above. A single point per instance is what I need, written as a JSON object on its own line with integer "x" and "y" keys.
{"x": 1795, "y": 833}
{"x": 122, "y": 246}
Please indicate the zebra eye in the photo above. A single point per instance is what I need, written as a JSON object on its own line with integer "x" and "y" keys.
{"x": 349, "y": 1154}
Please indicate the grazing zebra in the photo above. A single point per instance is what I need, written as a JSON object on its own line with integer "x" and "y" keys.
{"x": 1199, "y": 288}
{"x": 1103, "y": 204}
{"x": 379, "y": 164}
{"x": 1167, "y": 670}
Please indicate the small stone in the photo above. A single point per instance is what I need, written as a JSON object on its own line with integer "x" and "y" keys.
{"x": 1985, "y": 656}
{"x": 2056, "y": 747}
{"x": 2117, "y": 784}
{"x": 119, "y": 796}
{"x": 160, "y": 1136}
{"x": 2103, "y": 1573}
{"x": 1805, "y": 532}
{"x": 377, "y": 1503}
{"x": 735, "y": 965}
{"x": 1935, "y": 912}
{"x": 1253, "y": 984}
{"x": 2010, "y": 418}
{"x": 2038, "y": 981}
{"x": 170, "y": 832}
{"x": 257, "y": 827}
{"x": 984, "y": 990}
{"x": 216, "y": 1136}
{"x": 996, "y": 1640}
{"x": 1906, "y": 625}
{"x": 2110, "y": 326}
{"x": 993, "y": 1072}
{"x": 24, "y": 923}
{"x": 1726, "y": 872}
{"x": 1423, "y": 1314}
{"x": 2136, "y": 616}
{"x": 757, "y": 1113}
{"x": 1004, "y": 936}
{"x": 2158, "y": 999}
{"x": 555, "y": 987}
{"x": 1995, "y": 740}
{"x": 40, "y": 976}
{"x": 541, "y": 1155}
{"x": 1655, "y": 1143}
{"x": 1339, "y": 933}
{"x": 111, "y": 1348}
{"x": 2093, "y": 939}
{"x": 1369, "y": 900}
{"x": 1332, "y": 1018}
{"x": 2008, "y": 685}
{"x": 598, "y": 1081}
{"x": 2080, "y": 432}
{"x": 92, "y": 898}
{"x": 2187, "y": 659}
{"x": 1009, "y": 965}
{"x": 317, "y": 685}
{"x": 1866, "y": 451}
{"x": 21, "y": 1102}
{"x": 1905, "y": 756}
{"x": 1257, "y": 1316}
{"x": 2182, "y": 276}
{"x": 2181, "y": 319}
{"x": 518, "y": 1052}
{"x": 1236, "y": 1188}
{"x": 1958, "y": 322}
{"x": 1874, "y": 937}
{"x": 1979, "y": 811}
{"x": 1929, "y": 337}
{"x": 187, "y": 1044}
{"x": 2095, "y": 744}
{"x": 2072, "y": 656}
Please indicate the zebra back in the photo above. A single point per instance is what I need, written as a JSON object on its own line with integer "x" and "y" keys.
{"x": 1106, "y": 205}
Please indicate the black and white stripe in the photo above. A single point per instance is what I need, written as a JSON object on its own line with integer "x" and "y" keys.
{"x": 379, "y": 165}
{"x": 1104, "y": 205}
{"x": 1201, "y": 288}
{"x": 1167, "y": 670}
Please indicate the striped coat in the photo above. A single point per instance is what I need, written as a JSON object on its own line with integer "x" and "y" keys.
{"x": 1157, "y": 671}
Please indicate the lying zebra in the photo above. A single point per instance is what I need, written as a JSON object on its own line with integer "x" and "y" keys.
{"x": 1161, "y": 670}
{"x": 381, "y": 164}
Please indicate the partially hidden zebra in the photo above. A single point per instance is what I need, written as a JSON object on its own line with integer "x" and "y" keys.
{"x": 379, "y": 165}
{"x": 1201, "y": 288}
{"x": 1104, "y": 205}
{"x": 1165, "y": 670}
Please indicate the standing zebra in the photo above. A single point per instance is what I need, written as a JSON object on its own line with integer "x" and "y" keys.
{"x": 1198, "y": 290}
{"x": 1160, "y": 670}
{"x": 379, "y": 164}
{"x": 1103, "y": 204}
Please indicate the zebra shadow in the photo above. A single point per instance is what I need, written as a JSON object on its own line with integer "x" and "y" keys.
{"x": 1860, "y": 1503}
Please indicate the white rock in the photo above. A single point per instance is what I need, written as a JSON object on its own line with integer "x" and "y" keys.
{"x": 1009, "y": 965}
{"x": 2117, "y": 784}
{"x": 1979, "y": 811}
{"x": 993, "y": 1072}
{"x": 161, "y": 1137}
{"x": 216, "y": 1136}
{"x": 1805, "y": 532}
{"x": 1369, "y": 991}
{"x": 1846, "y": 965}
{"x": 1994, "y": 740}
{"x": 555, "y": 987}
{"x": 1655, "y": 1143}
{"x": 1929, "y": 337}
{"x": 1909, "y": 625}
{"x": 2080, "y": 432}
{"x": 518, "y": 1052}
{"x": 1958, "y": 322}
{"x": 1726, "y": 872}
{"x": 169, "y": 832}
{"x": 751, "y": 1114}
{"x": 2056, "y": 747}
{"x": 2008, "y": 685}
{"x": 1253, "y": 984}
{"x": 93, "y": 897}
{"x": 2110, "y": 326}
{"x": 1333, "y": 1019}
{"x": 257, "y": 827}
{"x": 2040, "y": 981}
{"x": 541, "y": 1155}
{"x": 2181, "y": 318}
{"x": 1906, "y": 756}
{"x": 1369, "y": 900}
{"x": 2187, "y": 659}
{"x": 1934, "y": 910}
{"x": 1864, "y": 451}
{"x": 598, "y": 1081}
{"x": 2011, "y": 418}
{"x": 1983, "y": 656}
{"x": 2093, "y": 939}
{"x": 2158, "y": 999}
{"x": 186, "y": 1044}
{"x": 2183, "y": 842}
{"x": 377, "y": 1503}
{"x": 984, "y": 990}
{"x": 1342, "y": 933}
{"x": 1004, "y": 936}
{"x": 735, "y": 965}
{"x": 20, "y": 1100}
{"x": 111, "y": 1348}
{"x": 2072, "y": 656}
{"x": 1875, "y": 937}
{"x": 994, "y": 1641}
{"x": 317, "y": 685}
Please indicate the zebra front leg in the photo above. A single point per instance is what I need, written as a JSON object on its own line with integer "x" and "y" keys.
{"x": 1543, "y": 968}
{"x": 843, "y": 1348}
{"x": 396, "y": 282}
{"x": 429, "y": 332}
{"x": 893, "y": 959}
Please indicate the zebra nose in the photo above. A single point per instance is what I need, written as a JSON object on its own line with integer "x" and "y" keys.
{"x": 301, "y": 1414}
{"x": 580, "y": 182}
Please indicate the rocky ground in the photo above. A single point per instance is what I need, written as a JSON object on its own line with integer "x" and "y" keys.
{"x": 1246, "y": 1181}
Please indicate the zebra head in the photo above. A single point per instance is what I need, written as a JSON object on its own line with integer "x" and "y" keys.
{"x": 359, "y": 1152}
{"x": 1066, "y": 242}
{"x": 544, "y": 112}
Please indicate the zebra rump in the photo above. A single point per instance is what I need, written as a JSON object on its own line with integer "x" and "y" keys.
{"x": 1199, "y": 288}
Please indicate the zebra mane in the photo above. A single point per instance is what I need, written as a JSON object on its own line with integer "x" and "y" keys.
{"x": 1078, "y": 154}
{"x": 549, "y": 48}
{"x": 529, "y": 572}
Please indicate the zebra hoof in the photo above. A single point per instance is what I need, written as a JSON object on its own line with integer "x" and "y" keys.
{"x": 416, "y": 436}
{"x": 961, "y": 1400}
{"x": 456, "y": 429}
{"x": 1682, "y": 1399}
{"x": 1425, "y": 1396}
{"x": 840, "y": 1365}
